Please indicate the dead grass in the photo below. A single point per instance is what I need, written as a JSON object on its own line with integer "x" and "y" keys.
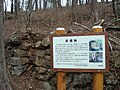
{"x": 50, "y": 19}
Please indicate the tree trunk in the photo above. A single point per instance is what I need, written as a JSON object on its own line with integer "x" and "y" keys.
{"x": 4, "y": 80}
{"x": 116, "y": 10}
{"x": 30, "y": 5}
{"x": 5, "y": 11}
{"x": 79, "y": 2}
{"x": 106, "y": 1}
{"x": 16, "y": 8}
{"x": 102, "y": 1}
{"x": 59, "y": 3}
{"x": 54, "y": 3}
{"x": 74, "y": 10}
{"x": 94, "y": 10}
{"x": 39, "y": 4}
{"x": 22, "y": 5}
{"x": 12, "y": 6}
{"x": 86, "y": 1}
{"x": 67, "y": 3}
{"x": 89, "y": 1}
{"x": 36, "y": 5}
{"x": 45, "y": 4}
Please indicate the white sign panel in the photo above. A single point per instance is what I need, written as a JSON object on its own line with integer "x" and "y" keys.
{"x": 79, "y": 52}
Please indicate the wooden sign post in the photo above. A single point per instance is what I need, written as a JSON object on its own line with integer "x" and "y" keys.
{"x": 61, "y": 78}
{"x": 79, "y": 52}
{"x": 98, "y": 77}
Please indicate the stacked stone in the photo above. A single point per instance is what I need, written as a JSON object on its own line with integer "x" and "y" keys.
{"x": 23, "y": 49}
{"x": 27, "y": 49}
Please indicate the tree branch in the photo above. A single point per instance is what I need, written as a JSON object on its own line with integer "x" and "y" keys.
{"x": 88, "y": 29}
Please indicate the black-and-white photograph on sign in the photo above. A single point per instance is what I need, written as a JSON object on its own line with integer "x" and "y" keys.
{"x": 79, "y": 52}
{"x": 95, "y": 45}
{"x": 95, "y": 57}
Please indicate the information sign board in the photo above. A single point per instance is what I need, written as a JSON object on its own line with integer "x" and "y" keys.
{"x": 79, "y": 52}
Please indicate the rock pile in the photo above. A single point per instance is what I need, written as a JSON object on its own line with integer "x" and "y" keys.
{"x": 24, "y": 49}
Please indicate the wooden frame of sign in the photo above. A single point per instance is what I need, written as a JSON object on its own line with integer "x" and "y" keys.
{"x": 79, "y": 52}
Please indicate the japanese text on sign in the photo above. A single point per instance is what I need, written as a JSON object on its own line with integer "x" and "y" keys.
{"x": 84, "y": 52}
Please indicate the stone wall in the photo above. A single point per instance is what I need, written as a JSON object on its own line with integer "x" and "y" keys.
{"x": 26, "y": 48}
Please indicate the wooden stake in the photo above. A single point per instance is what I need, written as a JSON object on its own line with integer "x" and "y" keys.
{"x": 98, "y": 81}
{"x": 61, "y": 78}
{"x": 98, "y": 77}
{"x": 61, "y": 81}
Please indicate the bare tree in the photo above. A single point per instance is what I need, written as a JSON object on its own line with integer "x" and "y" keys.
{"x": 4, "y": 80}
{"x": 36, "y": 4}
{"x": 94, "y": 10}
{"x": 116, "y": 9}
{"x": 22, "y": 4}
{"x": 39, "y": 4}
{"x": 30, "y": 7}
{"x": 79, "y": 2}
{"x": 86, "y": 1}
{"x": 74, "y": 10}
{"x": 67, "y": 3}
{"x": 5, "y": 11}
{"x": 82, "y": 1}
{"x": 45, "y": 4}
{"x": 17, "y": 6}
{"x": 54, "y": 3}
{"x": 102, "y": 1}
{"x": 89, "y": 1}
{"x": 106, "y": 1}
{"x": 59, "y": 3}
{"x": 12, "y": 5}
